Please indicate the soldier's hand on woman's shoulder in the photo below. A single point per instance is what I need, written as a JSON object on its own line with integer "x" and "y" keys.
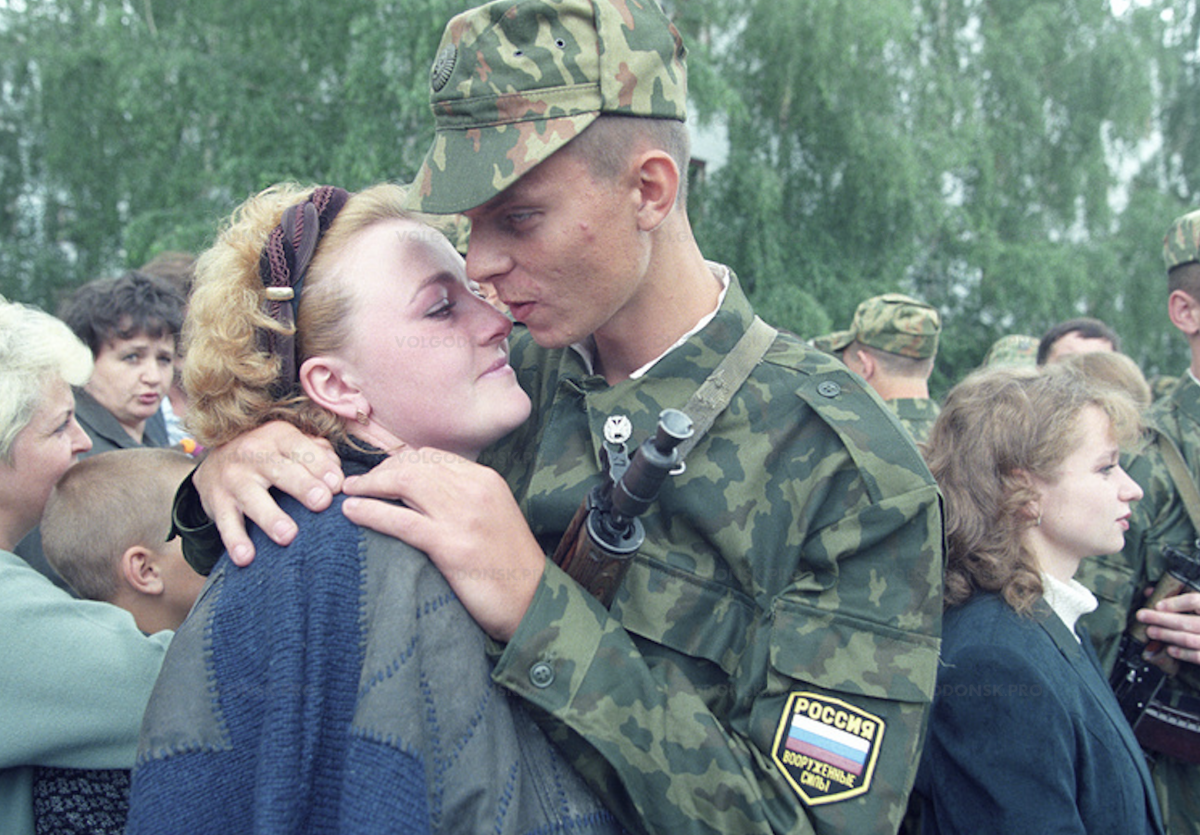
{"x": 463, "y": 515}
{"x": 235, "y": 479}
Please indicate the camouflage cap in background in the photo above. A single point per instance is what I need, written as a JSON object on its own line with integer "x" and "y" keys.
{"x": 892, "y": 322}
{"x": 1182, "y": 242}
{"x": 515, "y": 80}
{"x": 1014, "y": 349}
{"x": 823, "y": 343}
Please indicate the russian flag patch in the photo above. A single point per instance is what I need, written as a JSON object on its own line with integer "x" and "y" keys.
{"x": 826, "y": 748}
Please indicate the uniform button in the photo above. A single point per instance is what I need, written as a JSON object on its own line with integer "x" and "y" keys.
{"x": 541, "y": 675}
{"x": 829, "y": 389}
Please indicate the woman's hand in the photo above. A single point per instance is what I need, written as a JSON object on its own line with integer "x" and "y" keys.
{"x": 234, "y": 482}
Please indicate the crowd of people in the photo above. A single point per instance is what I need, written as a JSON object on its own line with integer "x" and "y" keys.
{"x": 310, "y": 585}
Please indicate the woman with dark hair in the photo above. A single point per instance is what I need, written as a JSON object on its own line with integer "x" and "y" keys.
{"x": 131, "y": 324}
{"x": 1026, "y": 734}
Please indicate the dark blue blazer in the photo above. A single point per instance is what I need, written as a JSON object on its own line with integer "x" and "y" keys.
{"x": 1025, "y": 733}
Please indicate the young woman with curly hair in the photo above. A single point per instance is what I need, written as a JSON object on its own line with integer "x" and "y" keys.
{"x": 1025, "y": 733}
{"x": 337, "y": 685}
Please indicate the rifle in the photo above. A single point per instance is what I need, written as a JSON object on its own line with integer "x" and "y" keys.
{"x": 598, "y": 546}
{"x": 1163, "y": 721}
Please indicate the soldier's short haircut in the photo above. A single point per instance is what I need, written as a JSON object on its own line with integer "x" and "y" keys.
{"x": 1085, "y": 326}
{"x": 607, "y": 144}
{"x": 897, "y": 365}
{"x": 1185, "y": 277}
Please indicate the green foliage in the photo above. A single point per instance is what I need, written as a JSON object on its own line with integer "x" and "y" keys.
{"x": 975, "y": 154}
{"x": 1014, "y": 163}
{"x": 131, "y": 128}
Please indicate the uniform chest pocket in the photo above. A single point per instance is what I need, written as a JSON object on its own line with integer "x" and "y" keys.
{"x": 851, "y": 655}
{"x": 685, "y": 613}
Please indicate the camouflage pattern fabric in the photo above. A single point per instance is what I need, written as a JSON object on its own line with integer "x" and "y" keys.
{"x": 892, "y": 322}
{"x": 790, "y": 581}
{"x": 1158, "y": 520}
{"x": 917, "y": 415}
{"x": 515, "y": 80}
{"x": 1181, "y": 244}
{"x": 1162, "y": 385}
{"x": 1014, "y": 349}
{"x": 824, "y": 343}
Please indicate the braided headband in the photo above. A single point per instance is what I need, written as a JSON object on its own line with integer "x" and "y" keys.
{"x": 282, "y": 266}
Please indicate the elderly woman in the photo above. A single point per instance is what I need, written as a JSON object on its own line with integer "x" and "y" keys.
{"x": 1025, "y": 733}
{"x": 337, "y": 685}
{"x": 130, "y": 323}
{"x": 76, "y": 674}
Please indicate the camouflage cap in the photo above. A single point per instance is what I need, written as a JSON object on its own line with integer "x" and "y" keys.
{"x": 1014, "y": 349}
{"x": 1181, "y": 245}
{"x": 823, "y": 343}
{"x": 515, "y": 80}
{"x": 892, "y": 322}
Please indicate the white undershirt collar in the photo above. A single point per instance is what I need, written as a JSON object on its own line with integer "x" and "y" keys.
{"x": 587, "y": 348}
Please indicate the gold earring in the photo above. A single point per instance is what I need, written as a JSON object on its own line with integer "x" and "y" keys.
{"x": 361, "y": 417}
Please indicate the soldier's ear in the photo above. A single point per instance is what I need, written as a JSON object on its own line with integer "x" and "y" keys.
{"x": 658, "y": 186}
{"x": 867, "y": 362}
{"x": 1184, "y": 311}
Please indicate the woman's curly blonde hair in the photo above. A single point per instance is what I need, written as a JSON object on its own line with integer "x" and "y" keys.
{"x": 999, "y": 428}
{"x": 227, "y": 375}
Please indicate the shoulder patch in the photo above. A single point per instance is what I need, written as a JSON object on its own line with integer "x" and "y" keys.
{"x": 826, "y": 748}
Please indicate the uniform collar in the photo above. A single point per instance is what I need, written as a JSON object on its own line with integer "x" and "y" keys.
{"x": 587, "y": 348}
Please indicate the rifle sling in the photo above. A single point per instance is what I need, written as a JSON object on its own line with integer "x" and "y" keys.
{"x": 715, "y": 393}
{"x": 1182, "y": 478}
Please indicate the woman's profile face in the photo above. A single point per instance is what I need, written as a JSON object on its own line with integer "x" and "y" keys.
{"x": 431, "y": 355}
{"x": 42, "y": 451}
{"x": 1085, "y": 510}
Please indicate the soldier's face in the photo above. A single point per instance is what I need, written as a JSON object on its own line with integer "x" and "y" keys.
{"x": 1085, "y": 509}
{"x": 562, "y": 251}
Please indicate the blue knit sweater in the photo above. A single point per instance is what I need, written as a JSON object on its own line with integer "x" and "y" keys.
{"x": 338, "y": 686}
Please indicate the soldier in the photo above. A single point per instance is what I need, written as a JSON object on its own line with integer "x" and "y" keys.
{"x": 1013, "y": 349}
{"x": 1076, "y": 336}
{"x": 1160, "y": 520}
{"x": 891, "y": 344}
{"x": 768, "y": 663}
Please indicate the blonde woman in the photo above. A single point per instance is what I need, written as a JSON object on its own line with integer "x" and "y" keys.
{"x": 337, "y": 685}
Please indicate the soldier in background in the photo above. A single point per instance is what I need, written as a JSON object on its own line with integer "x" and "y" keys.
{"x": 1076, "y": 336}
{"x": 1013, "y": 349}
{"x": 768, "y": 663}
{"x": 892, "y": 343}
{"x": 1162, "y": 519}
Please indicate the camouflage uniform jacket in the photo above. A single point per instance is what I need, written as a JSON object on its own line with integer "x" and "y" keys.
{"x": 1159, "y": 520}
{"x": 916, "y": 414}
{"x": 768, "y": 663}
